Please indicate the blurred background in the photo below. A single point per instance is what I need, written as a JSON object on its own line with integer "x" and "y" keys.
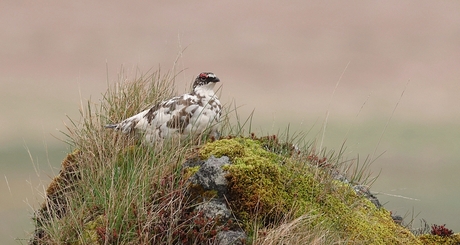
{"x": 302, "y": 64}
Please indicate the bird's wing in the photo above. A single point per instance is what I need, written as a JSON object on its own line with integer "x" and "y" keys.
{"x": 164, "y": 112}
{"x": 129, "y": 124}
{"x": 175, "y": 113}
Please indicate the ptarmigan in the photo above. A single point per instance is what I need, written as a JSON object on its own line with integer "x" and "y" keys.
{"x": 183, "y": 116}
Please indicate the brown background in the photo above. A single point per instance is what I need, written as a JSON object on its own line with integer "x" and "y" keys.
{"x": 282, "y": 59}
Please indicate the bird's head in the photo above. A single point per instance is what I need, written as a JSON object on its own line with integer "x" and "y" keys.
{"x": 205, "y": 81}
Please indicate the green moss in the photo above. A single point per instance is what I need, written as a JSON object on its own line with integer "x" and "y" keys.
{"x": 429, "y": 239}
{"x": 188, "y": 172}
{"x": 226, "y": 147}
{"x": 90, "y": 233}
{"x": 265, "y": 186}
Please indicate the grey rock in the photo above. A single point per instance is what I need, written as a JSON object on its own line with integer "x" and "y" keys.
{"x": 398, "y": 219}
{"x": 193, "y": 162}
{"x": 339, "y": 176}
{"x": 365, "y": 191}
{"x": 215, "y": 209}
{"x": 231, "y": 238}
{"x": 211, "y": 176}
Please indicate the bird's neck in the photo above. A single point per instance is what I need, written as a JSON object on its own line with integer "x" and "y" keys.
{"x": 204, "y": 92}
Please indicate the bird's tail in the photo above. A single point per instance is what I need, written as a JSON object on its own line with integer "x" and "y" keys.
{"x": 111, "y": 126}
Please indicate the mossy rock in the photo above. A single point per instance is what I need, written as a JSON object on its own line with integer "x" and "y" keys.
{"x": 428, "y": 239}
{"x": 264, "y": 186}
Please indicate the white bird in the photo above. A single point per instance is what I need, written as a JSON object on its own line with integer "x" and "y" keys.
{"x": 187, "y": 115}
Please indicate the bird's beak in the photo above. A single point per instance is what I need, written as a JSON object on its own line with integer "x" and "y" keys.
{"x": 216, "y": 80}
